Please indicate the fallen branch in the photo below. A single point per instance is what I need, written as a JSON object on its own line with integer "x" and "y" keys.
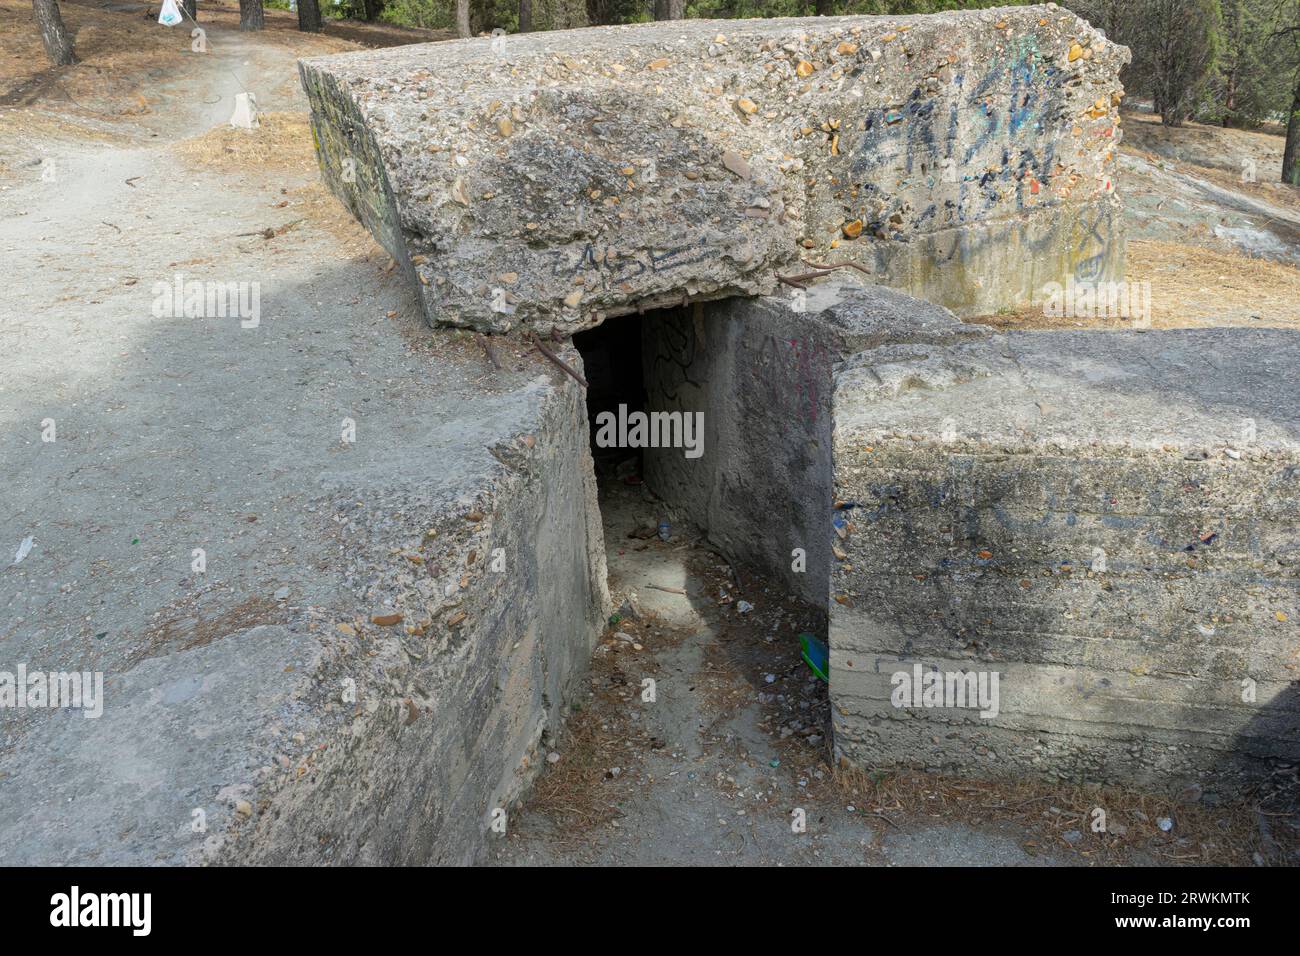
{"x": 658, "y": 587}
{"x": 270, "y": 233}
{"x": 837, "y": 265}
{"x": 799, "y": 280}
{"x": 821, "y": 270}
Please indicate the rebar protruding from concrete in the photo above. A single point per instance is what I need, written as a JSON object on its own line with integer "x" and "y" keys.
{"x": 557, "y": 360}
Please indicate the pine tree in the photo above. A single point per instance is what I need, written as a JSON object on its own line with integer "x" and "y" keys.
{"x": 58, "y": 43}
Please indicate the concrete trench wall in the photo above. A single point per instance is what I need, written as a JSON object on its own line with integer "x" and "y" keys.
{"x": 331, "y": 737}
{"x": 465, "y": 725}
{"x": 762, "y": 485}
{"x": 760, "y": 370}
{"x": 1094, "y": 520}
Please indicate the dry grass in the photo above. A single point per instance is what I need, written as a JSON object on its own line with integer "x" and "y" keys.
{"x": 578, "y": 794}
{"x": 1206, "y": 146}
{"x": 282, "y": 27}
{"x": 1191, "y": 287}
{"x": 1227, "y": 835}
{"x": 184, "y": 626}
{"x": 314, "y": 201}
{"x": 282, "y": 142}
{"x": 126, "y": 55}
{"x": 118, "y": 51}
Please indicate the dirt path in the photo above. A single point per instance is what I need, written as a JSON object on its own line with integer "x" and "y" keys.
{"x": 166, "y": 427}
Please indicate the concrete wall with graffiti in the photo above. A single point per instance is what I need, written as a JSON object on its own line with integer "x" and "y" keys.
{"x": 966, "y": 157}
{"x": 986, "y": 172}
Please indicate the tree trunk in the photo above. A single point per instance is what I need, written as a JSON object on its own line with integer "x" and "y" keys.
{"x": 251, "y": 15}
{"x": 462, "y": 19}
{"x": 371, "y": 9}
{"x": 669, "y": 9}
{"x": 1231, "y": 82}
{"x": 58, "y": 44}
{"x": 1291, "y": 152}
{"x": 309, "y": 16}
{"x": 191, "y": 9}
{"x": 525, "y": 16}
{"x": 823, "y": 8}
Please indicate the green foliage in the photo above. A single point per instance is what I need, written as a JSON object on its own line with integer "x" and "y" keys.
{"x": 429, "y": 14}
{"x": 1252, "y": 82}
{"x": 1219, "y": 61}
{"x": 486, "y": 15}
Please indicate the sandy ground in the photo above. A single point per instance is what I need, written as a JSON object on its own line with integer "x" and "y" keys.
{"x": 121, "y": 168}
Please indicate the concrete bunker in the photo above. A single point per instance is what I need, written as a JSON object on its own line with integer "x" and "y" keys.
{"x": 967, "y": 157}
{"x": 862, "y": 449}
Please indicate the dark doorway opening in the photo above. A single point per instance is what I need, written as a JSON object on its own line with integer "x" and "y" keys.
{"x": 611, "y": 358}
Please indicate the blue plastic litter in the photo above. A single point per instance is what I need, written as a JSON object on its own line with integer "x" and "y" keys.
{"x": 816, "y": 655}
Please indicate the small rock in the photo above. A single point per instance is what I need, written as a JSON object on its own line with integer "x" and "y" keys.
{"x": 736, "y": 163}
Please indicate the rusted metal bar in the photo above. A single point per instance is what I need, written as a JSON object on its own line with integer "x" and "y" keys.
{"x": 557, "y": 360}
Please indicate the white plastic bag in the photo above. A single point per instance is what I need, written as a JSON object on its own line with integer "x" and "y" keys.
{"x": 170, "y": 15}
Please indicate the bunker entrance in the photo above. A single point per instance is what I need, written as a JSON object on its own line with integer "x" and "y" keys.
{"x": 647, "y": 433}
{"x": 704, "y": 449}
{"x": 611, "y": 358}
{"x": 710, "y": 617}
